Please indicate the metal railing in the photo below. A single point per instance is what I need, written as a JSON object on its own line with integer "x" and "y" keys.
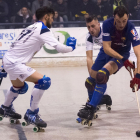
{"x": 55, "y": 24}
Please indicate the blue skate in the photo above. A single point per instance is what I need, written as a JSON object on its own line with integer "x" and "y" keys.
{"x": 33, "y": 118}
{"x": 9, "y": 113}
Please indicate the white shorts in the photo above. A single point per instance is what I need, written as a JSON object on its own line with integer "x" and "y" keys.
{"x": 17, "y": 70}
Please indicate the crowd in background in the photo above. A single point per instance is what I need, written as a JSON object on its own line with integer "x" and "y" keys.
{"x": 23, "y": 11}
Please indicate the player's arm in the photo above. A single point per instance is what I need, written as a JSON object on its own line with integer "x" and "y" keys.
{"x": 49, "y": 38}
{"x": 109, "y": 51}
{"x": 136, "y": 46}
{"x": 89, "y": 55}
{"x": 137, "y": 53}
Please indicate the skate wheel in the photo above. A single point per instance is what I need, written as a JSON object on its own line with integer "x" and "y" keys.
{"x": 90, "y": 123}
{"x": 12, "y": 121}
{"x": 24, "y": 123}
{"x": 98, "y": 107}
{"x": 1, "y": 118}
{"x": 84, "y": 122}
{"x": 36, "y": 129}
{"x": 95, "y": 116}
{"x": 78, "y": 120}
{"x": 108, "y": 107}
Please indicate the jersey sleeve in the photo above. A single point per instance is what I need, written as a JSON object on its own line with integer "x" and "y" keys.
{"x": 48, "y": 37}
{"x": 106, "y": 31}
{"x": 89, "y": 42}
{"x": 134, "y": 37}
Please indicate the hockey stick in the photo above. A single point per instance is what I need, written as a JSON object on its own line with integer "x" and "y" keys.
{"x": 132, "y": 75}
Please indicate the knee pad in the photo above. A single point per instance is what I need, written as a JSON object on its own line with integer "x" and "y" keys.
{"x": 90, "y": 84}
{"x": 102, "y": 76}
{"x": 43, "y": 83}
{"x": 22, "y": 90}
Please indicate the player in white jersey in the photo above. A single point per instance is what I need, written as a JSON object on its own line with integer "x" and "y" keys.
{"x": 94, "y": 37}
{"x": 29, "y": 42}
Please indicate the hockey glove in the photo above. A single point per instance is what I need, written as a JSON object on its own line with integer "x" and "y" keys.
{"x": 135, "y": 82}
{"x": 128, "y": 65}
{"x": 71, "y": 41}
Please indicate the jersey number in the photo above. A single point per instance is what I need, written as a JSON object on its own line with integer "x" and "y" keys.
{"x": 23, "y": 33}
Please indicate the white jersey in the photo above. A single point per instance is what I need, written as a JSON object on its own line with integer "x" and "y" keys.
{"x": 91, "y": 41}
{"x": 30, "y": 41}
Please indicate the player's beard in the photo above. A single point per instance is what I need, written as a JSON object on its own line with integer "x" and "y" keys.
{"x": 48, "y": 24}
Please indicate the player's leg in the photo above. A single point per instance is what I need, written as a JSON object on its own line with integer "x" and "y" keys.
{"x": 91, "y": 81}
{"x": 101, "y": 80}
{"x": 17, "y": 88}
{"x": 42, "y": 83}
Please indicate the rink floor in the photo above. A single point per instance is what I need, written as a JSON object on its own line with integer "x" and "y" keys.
{"x": 60, "y": 104}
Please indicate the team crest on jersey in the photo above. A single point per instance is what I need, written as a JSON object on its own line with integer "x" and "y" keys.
{"x": 96, "y": 41}
{"x": 123, "y": 39}
{"x": 134, "y": 32}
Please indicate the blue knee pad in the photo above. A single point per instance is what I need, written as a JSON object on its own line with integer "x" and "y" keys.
{"x": 22, "y": 90}
{"x": 43, "y": 83}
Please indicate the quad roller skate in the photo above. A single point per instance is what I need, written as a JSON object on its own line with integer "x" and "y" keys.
{"x": 105, "y": 100}
{"x": 9, "y": 113}
{"x": 86, "y": 114}
{"x": 33, "y": 118}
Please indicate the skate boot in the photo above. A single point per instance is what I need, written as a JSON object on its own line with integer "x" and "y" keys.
{"x": 86, "y": 114}
{"x": 105, "y": 100}
{"x": 9, "y": 113}
{"x": 33, "y": 118}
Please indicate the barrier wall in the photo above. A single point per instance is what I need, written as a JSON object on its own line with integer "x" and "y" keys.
{"x": 7, "y": 37}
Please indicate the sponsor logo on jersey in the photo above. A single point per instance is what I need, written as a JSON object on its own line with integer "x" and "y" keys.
{"x": 136, "y": 38}
{"x": 134, "y": 32}
{"x": 106, "y": 34}
{"x": 120, "y": 44}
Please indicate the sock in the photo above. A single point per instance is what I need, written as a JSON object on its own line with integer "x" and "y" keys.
{"x": 99, "y": 90}
{"x": 90, "y": 93}
{"x": 98, "y": 94}
{"x": 10, "y": 96}
{"x": 35, "y": 98}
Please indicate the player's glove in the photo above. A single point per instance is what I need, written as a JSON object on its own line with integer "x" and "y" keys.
{"x": 128, "y": 65}
{"x": 135, "y": 82}
{"x": 71, "y": 41}
{"x": 3, "y": 73}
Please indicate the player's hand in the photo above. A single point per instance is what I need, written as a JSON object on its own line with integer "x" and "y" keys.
{"x": 128, "y": 65}
{"x": 71, "y": 41}
{"x": 135, "y": 82}
{"x": 3, "y": 73}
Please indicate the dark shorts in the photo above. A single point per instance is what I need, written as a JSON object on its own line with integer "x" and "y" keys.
{"x": 103, "y": 59}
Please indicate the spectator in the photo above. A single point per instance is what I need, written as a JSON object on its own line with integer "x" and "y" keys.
{"x": 39, "y": 3}
{"x": 107, "y": 10}
{"x": 136, "y": 12}
{"x": 57, "y": 18}
{"x": 116, "y": 3}
{"x": 62, "y": 9}
{"x": 15, "y": 6}
{"x": 98, "y": 10}
{"x": 84, "y": 7}
{"x": 3, "y": 11}
{"x": 23, "y": 17}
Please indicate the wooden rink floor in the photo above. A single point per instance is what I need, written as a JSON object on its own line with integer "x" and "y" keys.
{"x": 61, "y": 102}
